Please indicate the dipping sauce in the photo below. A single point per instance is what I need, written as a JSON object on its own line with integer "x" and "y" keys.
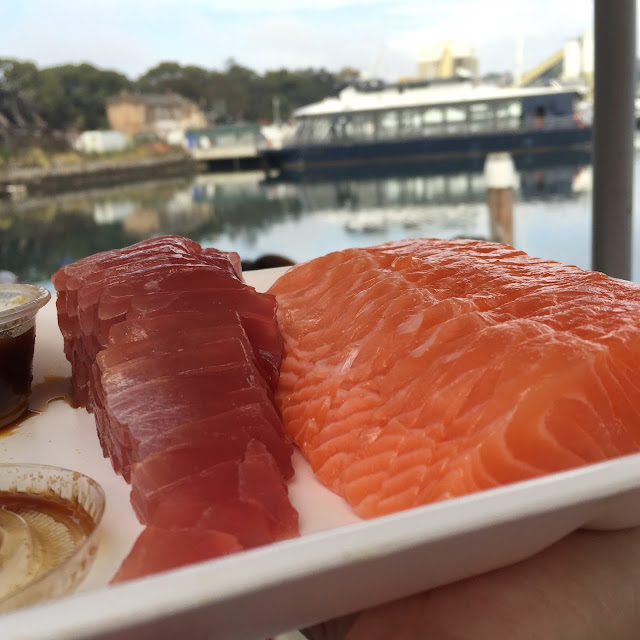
{"x": 19, "y": 304}
{"x": 49, "y": 525}
{"x": 16, "y": 361}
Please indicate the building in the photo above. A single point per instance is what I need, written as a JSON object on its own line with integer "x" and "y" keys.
{"x": 573, "y": 64}
{"x": 447, "y": 59}
{"x": 100, "y": 142}
{"x": 162, "y": 114}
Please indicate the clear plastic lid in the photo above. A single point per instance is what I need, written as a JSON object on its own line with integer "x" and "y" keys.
{"x": 49, "y": 528}
{"x": 19, "y": 304}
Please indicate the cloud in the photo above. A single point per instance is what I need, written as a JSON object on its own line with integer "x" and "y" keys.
{"x": 493, "y": 27}
{"x": 305, "y": 43}
{"x": 224, "y": 6}
{"x": 101, "y": 46}
{"x": 383, "y": 36}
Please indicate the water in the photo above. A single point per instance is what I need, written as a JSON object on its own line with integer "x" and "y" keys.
{"x": 241, "y": 212}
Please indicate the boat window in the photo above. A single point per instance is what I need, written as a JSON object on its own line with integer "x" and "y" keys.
{"x": 300, "y": 133}
{"x": 433, "y": 119}
{"x": 360, "y": 126}
{"x": 480, "y": 116}
{"x": 388, "y": 124}
{"x": 411, "y": 122}
{"x": 339, "y": 128}
{"x": 508, "y": 114}
{"x": 456, "y": 118}
{"x": 319, "y": 129}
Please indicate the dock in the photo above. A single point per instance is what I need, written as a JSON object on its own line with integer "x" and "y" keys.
{"x": 226, "y": 147}
{"x": 18, "y": 183}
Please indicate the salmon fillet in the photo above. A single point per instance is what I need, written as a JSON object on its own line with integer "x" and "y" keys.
{"x": 421, "y": 370}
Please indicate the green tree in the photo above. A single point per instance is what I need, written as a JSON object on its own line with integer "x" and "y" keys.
{"x": 19, "y": 76}
{"x": 189, "y": 81}
{"x": 75, "y": 95}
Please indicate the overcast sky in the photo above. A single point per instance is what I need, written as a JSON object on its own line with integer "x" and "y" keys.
{"x": 381, "y": 37}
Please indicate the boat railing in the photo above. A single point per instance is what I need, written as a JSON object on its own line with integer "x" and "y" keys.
{"x": 334, "y": 135}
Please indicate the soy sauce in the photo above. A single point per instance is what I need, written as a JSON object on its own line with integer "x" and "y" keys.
{"x": 70, "y": 514}
{"x": 16, "y": 373}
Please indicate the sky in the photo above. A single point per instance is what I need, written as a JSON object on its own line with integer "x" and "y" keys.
{"x": 382, "y": 38}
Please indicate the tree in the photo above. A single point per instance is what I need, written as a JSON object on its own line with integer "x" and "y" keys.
{"x": 19, "y": 82}
{"x": 19, "y": 76}
{"x": 75, "y": 95}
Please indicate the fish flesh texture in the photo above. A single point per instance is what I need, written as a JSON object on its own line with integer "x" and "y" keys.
{"x": 422, "y": 370}
{"x": 161, "y": 549}
{"x": 93, "y": 274}
{"x": 178, "y": 359}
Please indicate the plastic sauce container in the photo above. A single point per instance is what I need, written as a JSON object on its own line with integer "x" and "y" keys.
{"x": 50, "y": 522}
{"x": 19, "y": 304}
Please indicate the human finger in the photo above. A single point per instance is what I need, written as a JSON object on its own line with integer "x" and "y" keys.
{"x": 585, "y": 587}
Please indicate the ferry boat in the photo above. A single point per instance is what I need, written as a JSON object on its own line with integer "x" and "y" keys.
{"x": 372, "y": 125}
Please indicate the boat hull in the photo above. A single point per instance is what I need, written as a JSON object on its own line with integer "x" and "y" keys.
{"x": 434, "y": 152}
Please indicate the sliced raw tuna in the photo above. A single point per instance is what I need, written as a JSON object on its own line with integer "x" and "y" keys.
{"x": 178, "y": 359}
{"x": 248, "y": 522}
{"x": 258, "y": 420}
{"x": 237, "y": 471}
{"x": 158, "y": 550}
{"x": 79, "y": 284}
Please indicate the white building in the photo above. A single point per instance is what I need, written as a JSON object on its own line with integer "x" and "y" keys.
{"x": 100, "y": 142}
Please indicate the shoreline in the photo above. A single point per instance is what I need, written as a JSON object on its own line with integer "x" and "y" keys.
{"x": 19, "y": 184}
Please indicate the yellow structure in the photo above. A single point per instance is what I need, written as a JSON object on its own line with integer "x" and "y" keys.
{"x": 446, "y": 59}
{"x": 573, "y": 63}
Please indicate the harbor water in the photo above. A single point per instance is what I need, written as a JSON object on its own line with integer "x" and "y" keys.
{"x": 547, "y": 214}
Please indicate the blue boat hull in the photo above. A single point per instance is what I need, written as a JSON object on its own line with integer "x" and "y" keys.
{"x": 441, "y": 153}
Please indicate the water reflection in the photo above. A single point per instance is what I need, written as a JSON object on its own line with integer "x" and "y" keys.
{"x": 244, "y": 213}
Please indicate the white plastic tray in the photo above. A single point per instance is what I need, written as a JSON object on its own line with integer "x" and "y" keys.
{"x": 337, "y": 566}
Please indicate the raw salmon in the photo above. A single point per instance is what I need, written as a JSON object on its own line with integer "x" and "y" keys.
{"x": 422, "y": 370}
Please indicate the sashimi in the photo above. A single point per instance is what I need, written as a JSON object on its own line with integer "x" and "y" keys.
{"x": 171, "y": 425}
{"x": 81, "y": 285}
{"x": 426, "y": 369}
{"x": 217, "y": 313}
{"x": 257, "y": 420}
{"x": 158, "y": 549}
{"x": 234, "y": 472}
{"x": 248, "y": 522}
{"x": 183, "y": 360}
{"x": 119, "y": 353}
{"x": 114, "y": 298}
{"x": 204, "y": 300}
{"x": 260, "y": 483}
{"x": 178, "y": 359}
{"x": 153, "y": 477}
{"x": 163, "y": 403}
{"x": 73, "y": 277}
{"x": 94, "y": 325}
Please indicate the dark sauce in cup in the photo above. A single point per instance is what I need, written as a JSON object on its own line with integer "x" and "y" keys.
{"x": 19, "y": 304}
{"x": 16, "y": 362}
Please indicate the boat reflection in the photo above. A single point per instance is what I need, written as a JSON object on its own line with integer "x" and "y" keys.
{"x": 451, "y": 204}
{"x": 245, "y": 213}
